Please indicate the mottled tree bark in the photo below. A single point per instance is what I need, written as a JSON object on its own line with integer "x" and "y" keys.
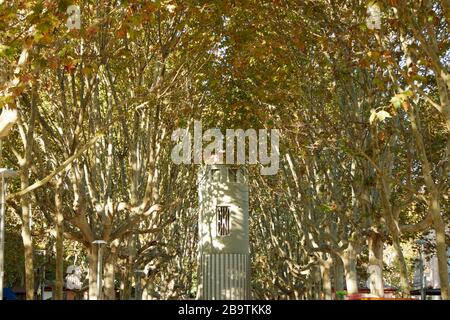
{"x": 110, "y": 292}
{"x": 338, "y": 274}
{"x": 349, "y": 261}
{"x": 375, "y": 244}
{"x": 92, "y": 257}
{"x": 325, "y": 268}
{"x": 59, "y": 268}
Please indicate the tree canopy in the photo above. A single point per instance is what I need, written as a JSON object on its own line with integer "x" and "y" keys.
{"x": 363, "y": 113}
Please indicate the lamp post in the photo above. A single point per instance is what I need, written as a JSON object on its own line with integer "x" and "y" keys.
{"x": 4, "y": 174}
{"x": 99, "y": 243}
{"x": 137, "y": 278}
{"x": 421, "y": 242}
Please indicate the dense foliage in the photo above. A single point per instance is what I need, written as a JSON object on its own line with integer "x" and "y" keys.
{"x": 364, "y": 116}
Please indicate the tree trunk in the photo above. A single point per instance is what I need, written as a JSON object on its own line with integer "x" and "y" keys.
{"x": 308, "y": 289}
{"x": 110, "y": 290}
{"x": 404, "y": 283}
{"x": 375, "y": 244}
{"x": 92, "y": 256}
{"x": 59, "y": 268}
{"x": 338, "y": 274}
{"x": 434, "y": 206}
{"x": 26, "y": 238}
{"x": 317, "y": 283}
{"x": 441, "y": 251}
{"x": 394, "y": 230}
{"x": 126, "y": 276}
{"x": 325, "y": 269}
{"x": 351, "y": 277}
{"x": 145, "y": 295}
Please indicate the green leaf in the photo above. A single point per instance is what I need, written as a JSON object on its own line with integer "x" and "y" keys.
{"x": 396, "y": 102}
{"x": 381, "y": 115}
{"x": 378, "y": 116}
{"x": 3, "y": 50}
{"x": 399, "y": 98}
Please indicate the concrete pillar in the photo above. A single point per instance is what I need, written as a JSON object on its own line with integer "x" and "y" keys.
{"x": 224, "y": 249}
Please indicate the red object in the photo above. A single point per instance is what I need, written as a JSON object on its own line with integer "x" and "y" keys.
{"x": 354, "y": 296}
{"x": 362, "y": 296}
